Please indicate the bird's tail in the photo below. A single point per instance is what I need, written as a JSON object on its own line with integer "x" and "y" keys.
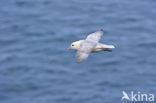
{"x": 109, "y": 46}
{"x": 107, "y": 49}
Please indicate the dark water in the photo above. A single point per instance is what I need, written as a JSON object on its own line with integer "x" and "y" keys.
{"x": 36, "y": 67}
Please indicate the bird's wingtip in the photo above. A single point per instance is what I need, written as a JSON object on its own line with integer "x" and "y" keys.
{"x": 101, "y": 30}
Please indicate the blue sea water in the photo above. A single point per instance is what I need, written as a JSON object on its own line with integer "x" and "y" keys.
{"x": 36, "y": 67}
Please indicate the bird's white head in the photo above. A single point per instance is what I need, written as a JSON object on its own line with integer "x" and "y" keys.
{"x": 74, "y": 45}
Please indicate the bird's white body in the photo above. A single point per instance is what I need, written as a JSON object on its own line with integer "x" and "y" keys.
{"x": 90, "y": 44}
{"x": 98, "y": 48}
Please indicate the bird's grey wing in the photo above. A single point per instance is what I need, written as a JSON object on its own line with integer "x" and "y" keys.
{"x": 87, "y": 45}
{"x": 95, "y": 37}
{"x": 85, "y": 48}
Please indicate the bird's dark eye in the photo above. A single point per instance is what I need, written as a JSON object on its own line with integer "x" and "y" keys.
{"x": 72, "y": 45}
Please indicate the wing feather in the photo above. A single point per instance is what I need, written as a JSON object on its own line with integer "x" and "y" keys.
{"x": 85, "y": 48}
{"x": 87, "y": 45}
{"x": 96, "y": 36}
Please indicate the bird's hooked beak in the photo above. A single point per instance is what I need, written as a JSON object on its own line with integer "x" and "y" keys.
{"x": 69, "y": 48}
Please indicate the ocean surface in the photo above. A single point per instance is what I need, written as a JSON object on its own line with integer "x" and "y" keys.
{"x": 36, "y": 67}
